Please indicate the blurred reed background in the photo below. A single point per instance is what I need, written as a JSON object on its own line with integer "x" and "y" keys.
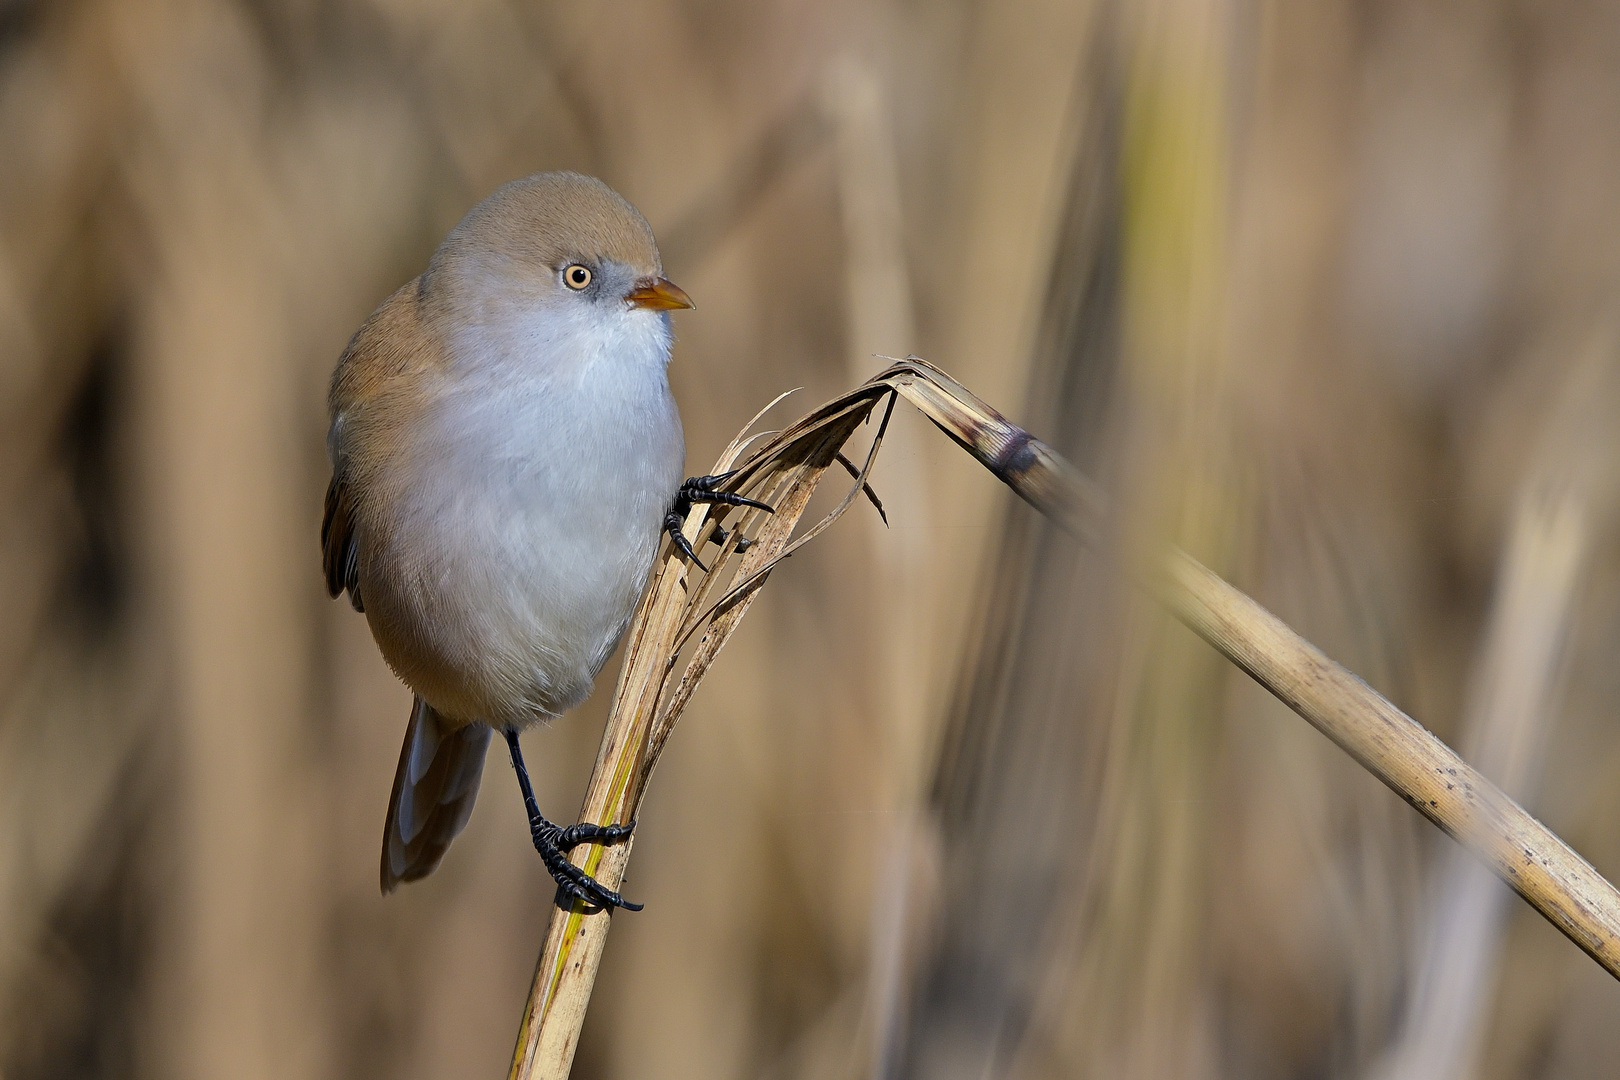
{"x": 1328, "y": 292}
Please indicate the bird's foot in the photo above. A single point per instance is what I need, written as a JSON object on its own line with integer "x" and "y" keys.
{"x": 553, "y": 841}
{"x": 704, "y": 489}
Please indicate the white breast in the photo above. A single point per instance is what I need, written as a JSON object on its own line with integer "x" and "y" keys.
{"x": 539, "y": 485}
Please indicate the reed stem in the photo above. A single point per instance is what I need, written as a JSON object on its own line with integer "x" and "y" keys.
{"x": 1533, "y": 860}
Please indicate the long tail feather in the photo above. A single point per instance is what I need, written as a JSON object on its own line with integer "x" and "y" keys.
{"x": 434, "y": 790}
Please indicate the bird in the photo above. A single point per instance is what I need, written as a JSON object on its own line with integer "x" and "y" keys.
{"x": 506, "y": 456}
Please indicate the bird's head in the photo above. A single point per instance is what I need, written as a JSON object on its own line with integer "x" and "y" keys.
{"x": 558, "y": 241}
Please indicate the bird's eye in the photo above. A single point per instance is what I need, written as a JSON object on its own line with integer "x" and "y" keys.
{"x": 577, "y": 276}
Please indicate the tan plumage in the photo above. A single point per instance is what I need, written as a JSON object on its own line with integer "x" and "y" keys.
{"x": 504, "y": 447}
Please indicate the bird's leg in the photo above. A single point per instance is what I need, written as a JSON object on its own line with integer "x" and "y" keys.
{"x": 551, "y": 841}
{"x": 702, "y": 489}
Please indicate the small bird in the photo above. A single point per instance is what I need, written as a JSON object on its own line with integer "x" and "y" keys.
{"x": 505, "y": 455}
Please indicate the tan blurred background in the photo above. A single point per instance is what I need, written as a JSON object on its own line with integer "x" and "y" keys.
{"x": 1326, "y": 291}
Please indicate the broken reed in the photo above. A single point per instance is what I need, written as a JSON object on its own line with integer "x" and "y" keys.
{"x": 682, "y": 602}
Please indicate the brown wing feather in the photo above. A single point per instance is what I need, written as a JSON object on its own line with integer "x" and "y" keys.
{"x": 340, "y": 553}
{"x": 387, "y": 356}
{"x": 434, "y": 790}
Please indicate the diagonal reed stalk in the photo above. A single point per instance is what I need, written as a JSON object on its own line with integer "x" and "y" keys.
{"x": 785, "y": 471}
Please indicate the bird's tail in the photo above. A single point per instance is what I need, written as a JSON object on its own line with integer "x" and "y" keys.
{"x": 434, "y": 790}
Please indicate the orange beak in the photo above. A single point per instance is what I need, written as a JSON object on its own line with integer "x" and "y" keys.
{"x": 659, "y": 294}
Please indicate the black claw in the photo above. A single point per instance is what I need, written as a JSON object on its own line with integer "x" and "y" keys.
{"x": 701, "y": 489}
{"x": 578, "y": 885}
{"x": 707, "y": 483}
{"x": 731, "y": 498}
{"x": 551, "y": 841}
{"x": 673, "y": 523}
{"x": 568, "y": 892}
{"x": 587, "y": 833}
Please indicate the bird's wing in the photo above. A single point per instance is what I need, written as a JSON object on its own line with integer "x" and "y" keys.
{"x": 434, "y": 790}
{"x": 387, "y": 356}
{"x": 340, "y": 551}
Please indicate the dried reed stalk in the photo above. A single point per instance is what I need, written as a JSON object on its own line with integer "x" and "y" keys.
{"x": 674, "y": 609}
{"x": 785, "y": 472}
